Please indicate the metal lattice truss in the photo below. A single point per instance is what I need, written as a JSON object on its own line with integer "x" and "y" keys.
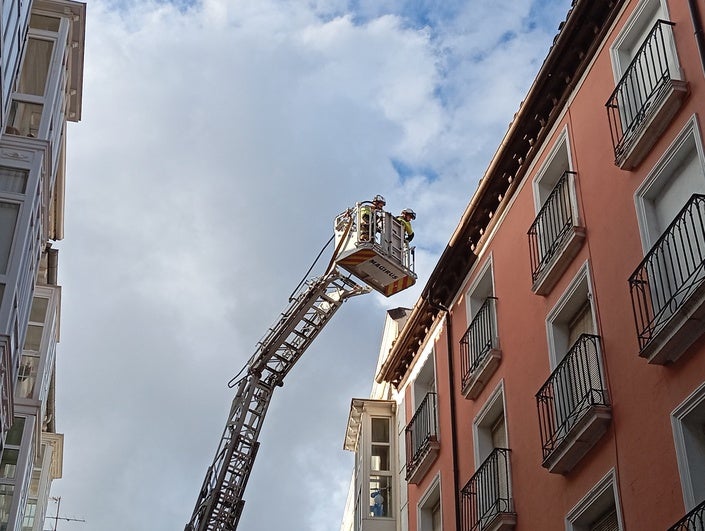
{"x": 220, "y": 501}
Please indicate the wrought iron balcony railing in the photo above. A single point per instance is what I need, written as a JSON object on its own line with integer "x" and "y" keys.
{"x": 572, "y": 389}
{"x": 487, "y": 494}
{"x": 552, "y": 226}
{"x": 478, "y": 340}
{"x": 644, "y": 82}
{"x": 671, "y": 272}
{"x": 420, "y": 433}
{"x": 693, "y": 521}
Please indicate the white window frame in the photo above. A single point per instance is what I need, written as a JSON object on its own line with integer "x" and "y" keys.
{"x": 637, "y": 25}
{"x": 485, "y": 418}
{"x": 425, "y": 381}
{"x": 694, "y": 401}
{"x": 593, "y": 503}
{"x": 478, "y": 286}
{"x": 427, "y": 502}
{"x": 662, "y": 171}
{"x": 544, "y": 173}
{"x": 566, "y": 304}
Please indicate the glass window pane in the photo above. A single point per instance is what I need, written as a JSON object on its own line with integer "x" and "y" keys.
{"x": 8, "y": 465}
{"x": 33, "y": 338}
{"x": 30, "y": 511}
{"x": 379, "y": 457}
{"x": 39, "y": 309}
{"x": 35, "y": 68}
{"x": 24, "y": 118}
{"x": 380, "y": 430}
{"x": 5, "y": 503}
{"x": 44, "y": 22}
{"x": 27, "y": 376}
{"x": 8, "y": 219}
{"x": 13, "y": 180}
{"x": 380, "y": 496}
{"x": 14, "y": 436}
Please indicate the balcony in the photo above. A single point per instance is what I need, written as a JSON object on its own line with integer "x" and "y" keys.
{"x": 555, "y": 235}
{"x": 645, "y": 99}
{"x": 693, "y": 521}
{"x": 479, "y": 350}
{"x": 668, "y": 287}
{"x": 486, "y": 500}
{"x": 422, "y": 444}
{"x": 573, "y": 407}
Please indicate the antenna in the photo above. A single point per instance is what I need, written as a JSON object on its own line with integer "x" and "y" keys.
{"x": 56, "y": 517}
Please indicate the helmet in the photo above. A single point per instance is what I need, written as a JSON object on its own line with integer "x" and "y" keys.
{"x": 379, "y": 199}
{"x": 410, "y": 212}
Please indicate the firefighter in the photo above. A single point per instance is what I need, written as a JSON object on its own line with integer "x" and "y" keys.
{"x": 368, "y": 213}
{"x": 405, "y": 218}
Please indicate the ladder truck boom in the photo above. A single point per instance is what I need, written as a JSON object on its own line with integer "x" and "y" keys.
{"x": 384, "y": 262}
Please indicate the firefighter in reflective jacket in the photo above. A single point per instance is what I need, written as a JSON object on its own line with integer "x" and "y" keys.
{"x": 368, "y": 214}
{"x": 405, "y": 219}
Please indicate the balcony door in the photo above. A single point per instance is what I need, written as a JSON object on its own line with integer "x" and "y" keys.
{"x": 675, "y": 255}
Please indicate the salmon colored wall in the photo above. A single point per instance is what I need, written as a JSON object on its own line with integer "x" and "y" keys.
{"x": 639, "y": 442}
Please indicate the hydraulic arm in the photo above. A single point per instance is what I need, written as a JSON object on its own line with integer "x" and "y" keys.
{"x": 372, "y": 249}
{"x": 220, "y": 500}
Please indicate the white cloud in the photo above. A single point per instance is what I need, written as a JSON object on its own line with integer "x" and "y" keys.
{"x": 218, "y": 142}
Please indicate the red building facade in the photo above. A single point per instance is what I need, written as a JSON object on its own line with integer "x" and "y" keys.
{"x": 552, "y": 374}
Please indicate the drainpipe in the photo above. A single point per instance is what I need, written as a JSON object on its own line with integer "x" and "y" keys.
{"x": 451, "y": 393}
{"x": 698, "y": 26}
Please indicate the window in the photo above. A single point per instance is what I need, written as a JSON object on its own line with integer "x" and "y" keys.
{"x": 370, "y": 435}
{"x": 8, "y": 221}
{"x": 429, "y": 508}
{"x": 13, "y": 180}
{"x": 479, "y": 346}
{"x": 649, "y": 89}
{"x": 555, "y": 235}
{"x": 489, "y": 428}
{"x": 670, "y": 205}
{"x": 35, "y": 68}
{"x": 380, "y": 490}
{"x": 688, "y": 422}
{"x": 29, "y": 364}
{"x": 573, "y": 403}
{"x": 421, "y": 433}
{"x": 571, "y": 317}
{"x": 11, "y": 452}
{"x": 486, "y": 499}
{"x": 6, "y": 492}
{"x": 677, "y": 176}
{"x": 597, "y": 511}
{"x": 30, "y": 512}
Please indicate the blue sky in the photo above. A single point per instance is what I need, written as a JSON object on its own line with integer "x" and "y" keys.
{"x": 218, "y": 141}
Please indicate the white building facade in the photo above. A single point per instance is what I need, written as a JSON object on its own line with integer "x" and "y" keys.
{"x": 42, "y": 47}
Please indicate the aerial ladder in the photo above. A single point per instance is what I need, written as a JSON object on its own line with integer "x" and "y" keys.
{"x": 376, "y": 253}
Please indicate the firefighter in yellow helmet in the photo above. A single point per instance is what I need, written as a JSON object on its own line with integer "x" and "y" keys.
{"x": 405, "y": 218}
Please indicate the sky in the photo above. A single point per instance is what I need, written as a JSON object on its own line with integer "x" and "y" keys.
{"x": 218, "y": 141}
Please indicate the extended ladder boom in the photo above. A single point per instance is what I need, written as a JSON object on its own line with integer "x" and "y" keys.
{"x": 220, "y": 501}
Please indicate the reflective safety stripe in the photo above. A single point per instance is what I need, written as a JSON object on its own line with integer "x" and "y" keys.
{"x": 398, "y": 285}
{"x": 361, "y": 256}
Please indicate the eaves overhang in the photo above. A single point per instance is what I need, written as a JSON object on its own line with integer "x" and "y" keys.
{"x": 579, "y": 36}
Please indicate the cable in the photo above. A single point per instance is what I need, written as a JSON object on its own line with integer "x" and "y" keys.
{"x": 291, "y": 297}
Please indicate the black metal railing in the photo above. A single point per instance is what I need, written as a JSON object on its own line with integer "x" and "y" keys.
{"x": 670, "y": 272}
{"x": 420, "y": 432}
{"x": 643, "y": 83}
{"x": 574, "y": 386}
{"x": 488, "y": 493}
{"x": 552, "y": 226}
{"x": 478, "y": 339}
{"x": 693, "y": 521}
